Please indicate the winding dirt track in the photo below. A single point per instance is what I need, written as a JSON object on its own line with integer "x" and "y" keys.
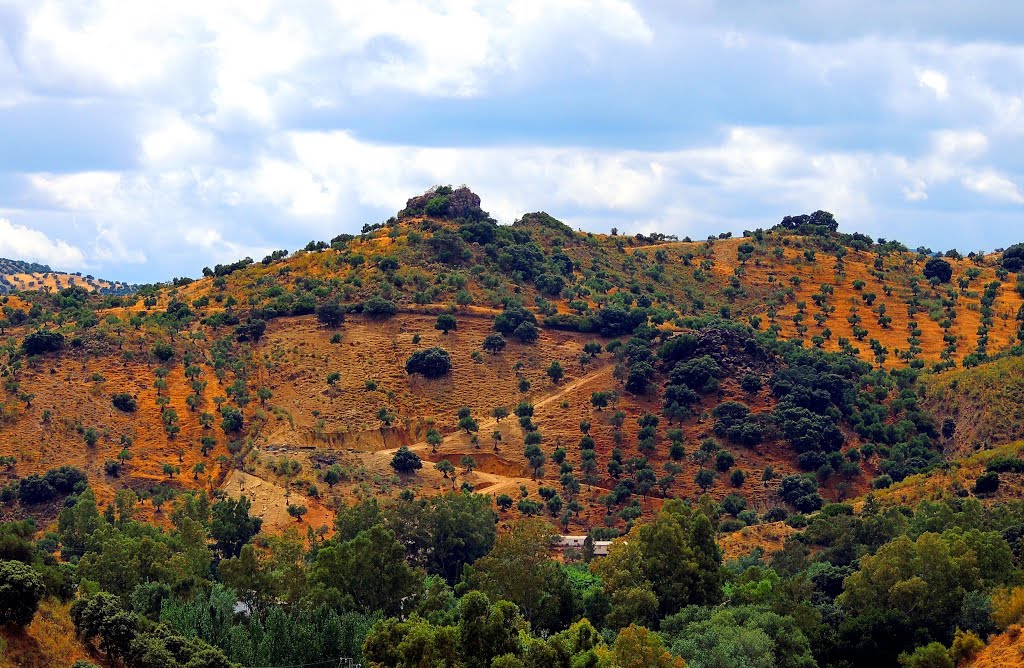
{"x": 497, "y": 483}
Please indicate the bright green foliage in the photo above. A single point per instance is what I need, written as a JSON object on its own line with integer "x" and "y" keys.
{"x": 364, "y": 574}
{"x": 21, "y": 589}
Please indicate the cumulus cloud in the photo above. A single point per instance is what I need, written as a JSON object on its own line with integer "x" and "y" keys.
{"x": 995, "y": 185}
{"x": 242, "y": 126}
{"x": 936, "y": 82}
{"x": 23, "y": 243}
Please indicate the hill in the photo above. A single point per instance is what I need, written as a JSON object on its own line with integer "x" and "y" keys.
{"x": 246, "y": 338}
{"x": 809, "y": 394}
{"x": 18, "y": 275}
{"x": 981, "y": 404}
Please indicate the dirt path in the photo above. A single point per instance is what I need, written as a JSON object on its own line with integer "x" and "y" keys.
{"x": 451, "y": 448}
{"x": 491, "y": 423}
{"x": 497, "y": 483}
{"x": 270, "y": 503}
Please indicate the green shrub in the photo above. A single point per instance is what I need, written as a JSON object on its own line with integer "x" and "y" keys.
{"x": 123, "y": 401}
{"x": 429, "y": 362}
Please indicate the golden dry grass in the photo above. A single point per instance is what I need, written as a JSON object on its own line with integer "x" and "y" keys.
{"x": 48, "y": 642}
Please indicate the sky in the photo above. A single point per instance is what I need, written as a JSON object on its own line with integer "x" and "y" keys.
{"x": 143, "y": 140}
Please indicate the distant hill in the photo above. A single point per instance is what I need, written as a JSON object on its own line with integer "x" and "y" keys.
{"x": 8, "y": 266}
{"x": 19, "y": 275}
{"x": 774, "y": 320}
{"x": 842, "y": 412}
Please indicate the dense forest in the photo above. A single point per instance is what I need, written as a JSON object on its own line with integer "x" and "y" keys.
{"x": 795, "y": 448}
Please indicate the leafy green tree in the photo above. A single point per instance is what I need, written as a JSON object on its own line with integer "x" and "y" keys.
{"x": 802, "y": 492}
{"x": 368, "y": 573}
{"x": 738, "y": 636}
{"x": 77, "y": 523}
{"x": 637, "y": 647}
{"x": 534, "y": 457}
{"x": 429, "y": 362}
{"x": 494, "y": 343}
{"x": 123, "y": 401}
{"x": 519, "y": 569}
{"x": 231, "y": 419}
{"x": 41, "y": 342}
{"x": 264, "y": 394}
{"x": 555, "y": 372}
{"x": 526, "y": 332}
{"x": 385, "y": 416}
{"x": 411, "y": 643}
{"x": 932, "y": 655}
{"x": 446, "y": 322}
{"x": 705, "y": 479}
{"x": 938, "y": 269}
{"x": 21, "y": 590}
{"x": 231, "y": 527}
{"x": 378, "y": 306}
{"x": 600, "y": 399}
{"x": 468, "y": 423}
{"x": 447, "y": 469}
{"x": 330, "y": 314}
{"x": 675, "y": 556}
{"x": 406, "y": 461}
{"x": 487, "y": 630}
{"x": 462, "y": 528}
{"x": 924, "y": 580}
{"x": 103, "y": 617}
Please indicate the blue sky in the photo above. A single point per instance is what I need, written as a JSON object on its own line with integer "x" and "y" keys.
{"x": 144, "y": 140}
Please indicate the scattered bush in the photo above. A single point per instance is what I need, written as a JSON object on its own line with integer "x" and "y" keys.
{"x": 406, "y": 461}
{"x": 429, "y": 362}
{"x": 379, "y": 306}
{"x": 21, "y": 589}
{"x": 939, "y": 269}
{"x": 123, "y": 401}
{"x": 42, "y": 342}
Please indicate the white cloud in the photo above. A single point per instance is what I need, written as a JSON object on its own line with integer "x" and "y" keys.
{"x": 23, "y": 243}
{"x": 250, "y": 122}
{"x": 236, "y": 61}
{"x": 960, "y": 144}
{"x": 935, "y": 81}
{"x": 995, "y": 185}
{"x": 82, "y": 191}
{"x": 176, "y": 141}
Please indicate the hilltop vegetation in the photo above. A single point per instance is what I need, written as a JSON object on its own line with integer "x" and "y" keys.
{"x": 399, "y": 420}
{"x": 18, "y": 275}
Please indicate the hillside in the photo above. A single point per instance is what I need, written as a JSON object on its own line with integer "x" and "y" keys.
{"x": 982, "y": 403}
{"x": 244, "y": 339}
{"x": 766, "y": 420}
{"x": 18, "y": 275}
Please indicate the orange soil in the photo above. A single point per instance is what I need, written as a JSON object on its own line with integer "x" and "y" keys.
{"x": 769, "y": 537}
{"x": 1005, "y": 650}
{"x": 48, "y": 641}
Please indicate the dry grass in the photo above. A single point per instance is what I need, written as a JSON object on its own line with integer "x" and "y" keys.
{"x": 306, "y": 418}
{"x": 48, "y": 642}
{"x": 1005, "y": 650}
{"x": 769, "y": 537}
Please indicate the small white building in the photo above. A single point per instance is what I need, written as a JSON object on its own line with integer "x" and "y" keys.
{"x": 579, "y": 543}
{"x": 565, "y": 542}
